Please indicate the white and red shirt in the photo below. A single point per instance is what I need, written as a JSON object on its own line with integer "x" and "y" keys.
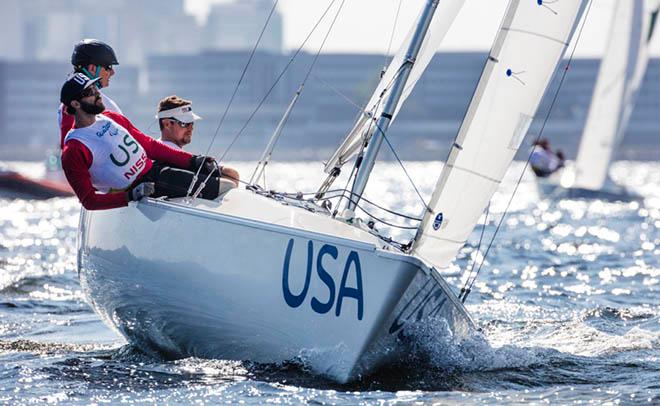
{"x": 65, "y": 120}
{"x": 112, "y": 155}
{"x": 117, "y": 158}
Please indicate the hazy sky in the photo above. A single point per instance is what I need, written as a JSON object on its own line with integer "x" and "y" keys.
{"x": 365, "y": 25}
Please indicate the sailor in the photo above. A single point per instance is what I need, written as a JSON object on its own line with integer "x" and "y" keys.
{"x": 176, "y": 120}
{"x": 95, "y": 59}
{"x": 543, "y": 161}
{"x": 108, "y": 162}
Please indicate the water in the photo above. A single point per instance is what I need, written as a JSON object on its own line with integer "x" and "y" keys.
{"x": 568, "y": 302}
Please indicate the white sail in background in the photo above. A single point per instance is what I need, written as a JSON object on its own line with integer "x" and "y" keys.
{"x": 620, "y": 75}
{"x": 442, "y": 20}
{"x": 529, "y": 45}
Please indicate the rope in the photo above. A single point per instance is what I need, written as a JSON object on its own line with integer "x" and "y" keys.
{"x": 545, "y": 121}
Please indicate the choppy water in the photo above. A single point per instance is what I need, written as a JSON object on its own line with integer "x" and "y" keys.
{"x": 568, "y": 301}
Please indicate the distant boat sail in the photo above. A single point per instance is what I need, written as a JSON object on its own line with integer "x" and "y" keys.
{"x": 528, "y": 47}
{"x": 619, "y": 78}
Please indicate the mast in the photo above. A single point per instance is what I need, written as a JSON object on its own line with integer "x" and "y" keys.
{"x": 383, "y": 122}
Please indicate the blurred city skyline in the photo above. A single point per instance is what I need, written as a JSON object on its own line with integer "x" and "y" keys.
{"x": 164, "y": 49}
{"x": 473, "y": 30}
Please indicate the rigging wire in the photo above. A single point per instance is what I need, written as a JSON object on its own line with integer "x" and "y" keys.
{"x": 277, "y": 80}
{"x": 426, "y": 206}
{"x": 476, "y": 258}
{"x": 339, "y": 92}
{"x": 545, "y": 121}
{"x": 372, "y": 122}
{"x": 302, "y": 84}
{"x": 240, "y": 80}
{"x": 396, "y": 20}
{"x": 327, "y": 34}
{"x": 301, "y": 195}
{"x": 231, "y": 100}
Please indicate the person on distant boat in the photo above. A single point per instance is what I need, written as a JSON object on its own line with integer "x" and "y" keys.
{"x": 108, "y": 162}
{"x": 543, "y": 161}
{"x": 176, "y": 120}
{"x": 95, "y": 59}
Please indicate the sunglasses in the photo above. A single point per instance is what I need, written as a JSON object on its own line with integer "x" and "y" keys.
{"x": 108, "y": 67}
{"x": 181, "y": 123}
{"x": 90, "y": 91}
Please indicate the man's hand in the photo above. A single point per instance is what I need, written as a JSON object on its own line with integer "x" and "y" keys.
{"x": 145, "y": 189}
{"x": 207, "y": 163}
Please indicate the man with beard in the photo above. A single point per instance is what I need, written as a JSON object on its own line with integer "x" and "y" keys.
{"x": 176, "y": 120}
{"x": 95, "y": 59}
{"x": 108, "y": 162}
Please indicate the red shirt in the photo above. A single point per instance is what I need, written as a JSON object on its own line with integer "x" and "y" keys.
{"x": 77, "y": 159}
{"x": 66, "y": 123}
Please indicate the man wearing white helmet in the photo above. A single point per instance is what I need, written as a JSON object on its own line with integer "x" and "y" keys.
{"x": 176, "y": 120}
{"x": 94, "y": 59}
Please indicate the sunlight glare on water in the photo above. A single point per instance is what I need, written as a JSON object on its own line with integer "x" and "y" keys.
{"x": 567, "y": 301}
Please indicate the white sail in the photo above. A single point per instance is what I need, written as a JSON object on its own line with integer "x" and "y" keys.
{"x": 620, "y": 75}
{"x": 530, "y": 43}
{"x": 442, "y": 20}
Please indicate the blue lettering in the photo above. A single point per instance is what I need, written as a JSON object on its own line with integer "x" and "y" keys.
{"x": 430, "y": 305}
{"x": 355, "y": 293}
{"x": 103, "y": 130}
{"x": 291, "y": 299}
{"x": 318, "y": 306}
{"x": 326, "y": 278}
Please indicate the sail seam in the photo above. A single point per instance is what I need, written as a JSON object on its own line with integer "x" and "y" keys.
{"x": 445, "y": 239}
{"x": 536, "y": 34}
{"x": 475, "y": 173}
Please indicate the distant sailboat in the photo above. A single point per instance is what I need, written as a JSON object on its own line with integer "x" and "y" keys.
{"x": 262, "y": 276}
{"x": 621, "y": 72}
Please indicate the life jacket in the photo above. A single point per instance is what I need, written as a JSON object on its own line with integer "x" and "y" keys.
{"x": 118, "y": 159}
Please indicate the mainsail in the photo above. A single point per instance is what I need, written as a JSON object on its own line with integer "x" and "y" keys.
{"x": 444, "y": 16}
{"x": 530, "y": 43}
{"x": 620, "y": 75}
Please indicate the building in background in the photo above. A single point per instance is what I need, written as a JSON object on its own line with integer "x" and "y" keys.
{"x": 326, "y": 111}
{"x": 164, "y": 51}
{"x": 236, "y": 26}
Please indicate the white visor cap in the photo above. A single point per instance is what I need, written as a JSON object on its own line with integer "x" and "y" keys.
{"x": 184, "y": 114}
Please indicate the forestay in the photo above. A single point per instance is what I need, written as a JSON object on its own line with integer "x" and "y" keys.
{"x": 620, "y": 75}
{"x": 442, "y": 20}
{"x": 529, "y": 45}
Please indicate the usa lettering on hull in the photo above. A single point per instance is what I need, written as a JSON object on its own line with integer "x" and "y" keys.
{"x": 427, "y": 302}
{"x": 328, "y": 262}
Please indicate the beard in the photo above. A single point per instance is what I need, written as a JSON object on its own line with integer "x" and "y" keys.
{"x": 92, "y": 108}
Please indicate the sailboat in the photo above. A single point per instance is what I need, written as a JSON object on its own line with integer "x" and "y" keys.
{"x": 620, "y": 75}
{"x": 269, "y": 277}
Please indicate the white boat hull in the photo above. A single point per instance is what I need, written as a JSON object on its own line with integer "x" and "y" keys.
{"x": 248, "y": 278}
{"x": 560, "y": 186}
